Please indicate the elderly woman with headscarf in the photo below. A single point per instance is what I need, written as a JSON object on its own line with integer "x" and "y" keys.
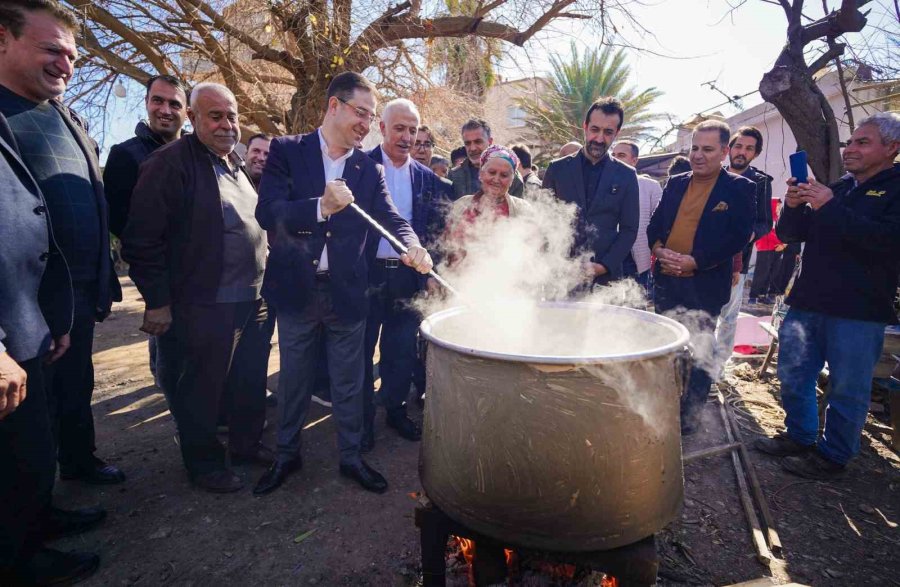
{"x": 473, "y": 214}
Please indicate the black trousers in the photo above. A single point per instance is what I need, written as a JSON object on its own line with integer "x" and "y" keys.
{"x": 784, "y": 269}
{"x": 27, "y": 469}
{"x": 766, "y": 266}
{"x": 390, "y": 291}
{"x": 670, "y": 294}
{"x": 198, "y": 353}
{"x": 249, "y": 367}
{"x": 71, "y": 387}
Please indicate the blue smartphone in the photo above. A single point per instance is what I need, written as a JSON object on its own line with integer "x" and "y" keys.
{"x": 798, "y": 167}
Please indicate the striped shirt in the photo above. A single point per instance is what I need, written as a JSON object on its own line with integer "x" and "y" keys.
{"x": 650, "y": 193}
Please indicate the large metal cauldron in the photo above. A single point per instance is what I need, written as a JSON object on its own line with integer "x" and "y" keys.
{"x": 564, "y": 453}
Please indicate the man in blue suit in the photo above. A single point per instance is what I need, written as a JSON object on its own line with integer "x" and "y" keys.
{"x": 704, "y": 218}
{"x": 417, "y": 193}
{"x": 318, "y": 273}
{"x": 605, "y": 191}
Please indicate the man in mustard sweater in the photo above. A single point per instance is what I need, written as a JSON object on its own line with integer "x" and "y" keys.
{"x": 704, "y": 218}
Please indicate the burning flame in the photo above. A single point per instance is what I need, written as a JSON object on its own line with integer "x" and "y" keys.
{"x": 467, "y": 550}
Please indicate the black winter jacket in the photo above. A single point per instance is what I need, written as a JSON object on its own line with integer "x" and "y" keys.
{"x": 762, "y": 223}
{"x": 852, "y": 255}
{"x": 121, "y": 173}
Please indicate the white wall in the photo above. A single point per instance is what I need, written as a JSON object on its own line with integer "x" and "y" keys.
{"x": 778, "y": 140}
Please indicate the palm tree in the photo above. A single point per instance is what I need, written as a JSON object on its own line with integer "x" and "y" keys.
{"x": 556, "y": 117}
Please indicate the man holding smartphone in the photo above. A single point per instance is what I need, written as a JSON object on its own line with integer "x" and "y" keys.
{"x": 841, "y": 301}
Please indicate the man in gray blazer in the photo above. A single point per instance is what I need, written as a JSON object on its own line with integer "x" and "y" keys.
{"x": 35, "y": 317}
{"x": 605, "y": 191}
{"x": 54, "y": 145}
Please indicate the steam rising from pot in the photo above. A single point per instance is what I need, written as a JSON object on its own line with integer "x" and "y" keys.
{"x": 511, "y": 264}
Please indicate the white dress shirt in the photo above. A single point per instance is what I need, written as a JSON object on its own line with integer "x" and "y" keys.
{"x": 399, "y": 184}
{"x": 334, "y": 168}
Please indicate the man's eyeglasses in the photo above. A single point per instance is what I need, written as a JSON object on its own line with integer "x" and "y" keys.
{"x": 423, "y": 145}
{"x": 362, "y": 113}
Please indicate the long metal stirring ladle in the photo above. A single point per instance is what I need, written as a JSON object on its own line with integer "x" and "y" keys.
{"x": 399, "y": 246}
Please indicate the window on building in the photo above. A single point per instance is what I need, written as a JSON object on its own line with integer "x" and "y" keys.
{"x": 515, "y": 116}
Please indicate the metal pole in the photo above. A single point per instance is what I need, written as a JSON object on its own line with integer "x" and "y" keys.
{"x": 400, "y": 247}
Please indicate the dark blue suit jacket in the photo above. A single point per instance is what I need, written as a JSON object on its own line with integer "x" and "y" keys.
{"x": 293, "y": 181}
{"x": 431, "y": 200}
{"x": 35, "y": 289}
{"x": 724, "y": 229}
{"x": 609, "y": 227}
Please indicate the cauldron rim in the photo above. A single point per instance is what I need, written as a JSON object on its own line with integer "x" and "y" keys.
{"x": 681, "y": 338}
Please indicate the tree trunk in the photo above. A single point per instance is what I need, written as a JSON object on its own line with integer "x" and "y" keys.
{"x": 307, "y": 107}
{"x": 803, "y": 106}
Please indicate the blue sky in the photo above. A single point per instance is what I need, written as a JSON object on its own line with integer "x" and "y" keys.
{"x": 697, "y": 41}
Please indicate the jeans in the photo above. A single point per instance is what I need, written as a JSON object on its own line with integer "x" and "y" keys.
{"x": 645, "y": 279}
{"x": 807, "y": 340}
{"x": 727, "y": 325}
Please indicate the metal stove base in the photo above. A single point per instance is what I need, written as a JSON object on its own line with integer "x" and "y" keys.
{"x": 633, "y": 565}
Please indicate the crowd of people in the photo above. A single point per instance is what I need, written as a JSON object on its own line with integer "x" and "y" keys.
{"x": 217, "y": 244}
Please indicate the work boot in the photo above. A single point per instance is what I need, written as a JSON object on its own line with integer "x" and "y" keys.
{"x": 813, "y": 465}
{"x": 781, "y": 445}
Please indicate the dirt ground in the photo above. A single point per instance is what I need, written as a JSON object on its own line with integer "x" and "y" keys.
{"x": 319, "y": 529}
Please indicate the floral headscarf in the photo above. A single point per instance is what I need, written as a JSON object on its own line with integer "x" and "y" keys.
{"x": 495, "y": 151}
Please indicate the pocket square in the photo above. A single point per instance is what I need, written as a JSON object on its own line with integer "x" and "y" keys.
{"x": 720, "y": 207}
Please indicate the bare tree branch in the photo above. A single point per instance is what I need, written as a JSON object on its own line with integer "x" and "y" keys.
{"x": 103, "y": 17}
{"x": 834, "y": 50}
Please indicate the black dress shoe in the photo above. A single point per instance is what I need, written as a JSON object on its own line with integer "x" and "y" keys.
{"x": 59, "y": 523}
{"x": 259, "y": 455}
{"x": 52, "y": 567}
{"x": 276, "y": 475}
{"x": 223, "y": 481}
{"x": 95, "y": 473}
{"x": 405, "y": 427}
{"x": 369, "y": 478}
{"x": 368, "y": 441}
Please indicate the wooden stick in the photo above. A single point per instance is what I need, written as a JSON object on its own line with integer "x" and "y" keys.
{"x": 771, "y": 532}
{"x": 709, "y": 452}
{"x": 763, "y": 554}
